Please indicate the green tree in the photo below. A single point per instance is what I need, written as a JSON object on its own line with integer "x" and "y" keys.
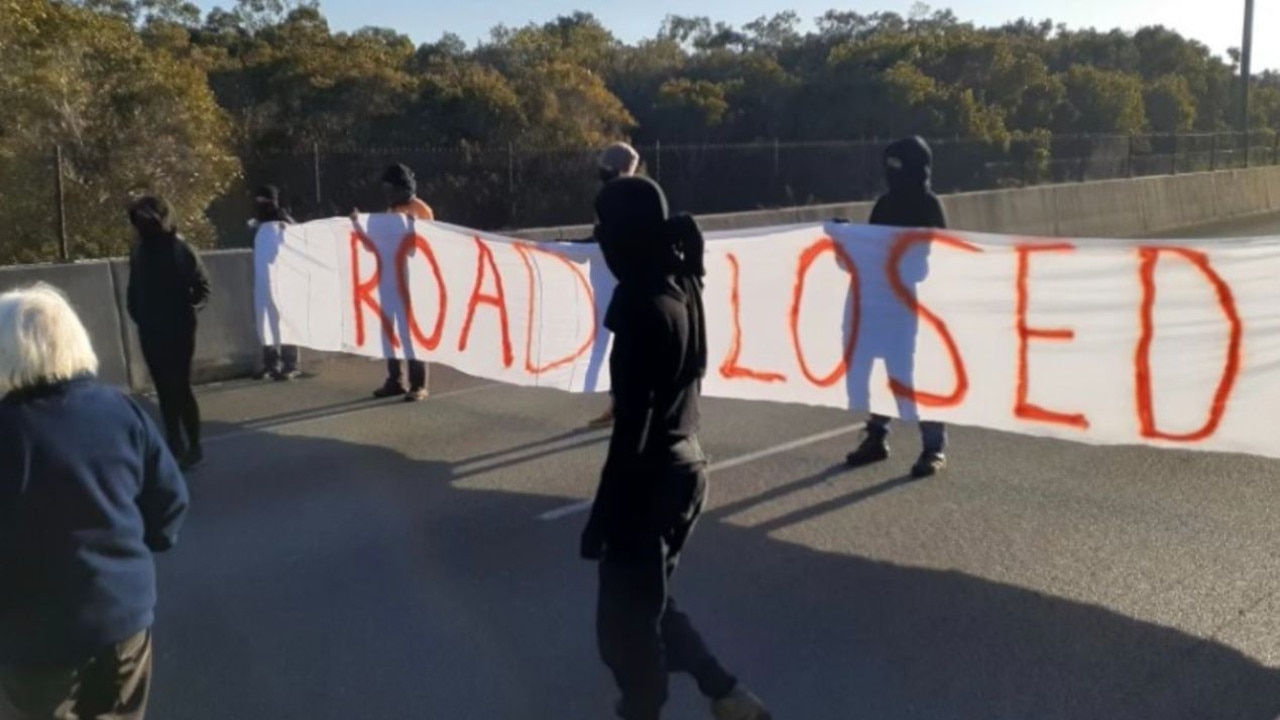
{"x": 1171, "y": 108}
{"x": 1102, "y": 101}
{"x": 687, "y": 109}
{"x": 130, "y": 118}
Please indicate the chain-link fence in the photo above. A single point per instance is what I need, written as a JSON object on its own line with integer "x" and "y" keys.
{"x": 511, "y": 187}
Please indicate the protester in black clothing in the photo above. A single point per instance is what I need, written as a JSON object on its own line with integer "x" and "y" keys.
{"x": 654, "y": 481}
{"x": 279, "y": 362}
{"x": 619, "y": 160}
{"x": 168, "y": 285}
{"x": 910, "y": 203}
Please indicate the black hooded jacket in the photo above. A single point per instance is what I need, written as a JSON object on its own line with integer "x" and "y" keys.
{"x": 168, "y": 283}
{"x": 910, "y": 202}
{"x": 267, "y": 209}
{"x": 660, "y": 350}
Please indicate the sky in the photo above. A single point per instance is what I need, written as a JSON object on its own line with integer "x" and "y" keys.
{"x": 1217, "y": 23}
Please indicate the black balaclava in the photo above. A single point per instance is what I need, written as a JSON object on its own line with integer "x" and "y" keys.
{"x": 266, "y": 204}
{"x": 153, "y": 218}
{"x": 402, "y": 185}
{"x": 908, "y": 166}
{"x": 644, "y": 248}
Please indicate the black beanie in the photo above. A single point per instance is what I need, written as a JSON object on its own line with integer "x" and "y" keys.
{"x": 152, "y": 216}
{"x": 400, "y": 176}
{"x": 268, "y": 193}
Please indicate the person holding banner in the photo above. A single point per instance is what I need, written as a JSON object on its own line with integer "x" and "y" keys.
{"x": 910, "y": 203}
{"x": 654, "y": 481}
{"x": 401, "y": 188}
{"x": 279, "y": 362}
{"x": 617, "y": 161}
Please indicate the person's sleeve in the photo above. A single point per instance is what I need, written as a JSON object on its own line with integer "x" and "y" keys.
{"x": 200, "y": 286}
{"x": 424, "y": 211}
{"x": 877, "y": 213}
{"x": 939, "y": 219}
{"x": 633, "y": 388}
{"x": 164, "y": 498}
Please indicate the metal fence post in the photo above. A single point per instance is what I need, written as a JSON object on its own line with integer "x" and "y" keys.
{"x": 1213, "y": 153}
{"x": 1275, "y": 147}
{"x": 1083, "y": 161}
{"x": 776, "y": 191}
{"x": 1173, "y": 156}
{"x": 315, "y": 172}
{"x": 657, "y": 161}
{"x": 61, "y": 200}
{"x": 1248, "y": 145}
{"x": 511, "y": 181}
{"x": 1128, "y": 163}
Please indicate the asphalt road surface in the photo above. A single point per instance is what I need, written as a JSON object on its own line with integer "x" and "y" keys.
{"x": 351, "y": 559}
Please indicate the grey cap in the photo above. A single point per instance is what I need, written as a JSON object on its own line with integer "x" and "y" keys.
{"x": 620, "y": 158}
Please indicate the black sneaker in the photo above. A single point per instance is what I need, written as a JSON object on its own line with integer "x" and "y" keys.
{"x": 389, "y": 390}
{"x": 741, "y": 704}
{"x": 192, "y": 458}
{"x": 874, "y": 449}
{"x": 929, "y": 464}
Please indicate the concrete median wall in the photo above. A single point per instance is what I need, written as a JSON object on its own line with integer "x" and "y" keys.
{"x": 227, "y": 344}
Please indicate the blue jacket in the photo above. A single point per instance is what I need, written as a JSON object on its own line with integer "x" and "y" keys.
{"x": 88, "y": 491}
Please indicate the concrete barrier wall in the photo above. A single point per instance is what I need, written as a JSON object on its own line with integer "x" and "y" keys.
{"x": 1032, "y": 211}
{"x": 227, "y": 344}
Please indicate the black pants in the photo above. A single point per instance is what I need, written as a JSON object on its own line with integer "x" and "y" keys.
{"x": 168, "y": 357}
{"x": 417, "y": 374}
{"x": 114, "y": 683}
{"x": 642, "y": 633}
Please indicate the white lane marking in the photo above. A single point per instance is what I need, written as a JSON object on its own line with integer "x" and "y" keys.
{"x": 573, "y": 509}
{"x": 307, "y": 420}
{"x": 814, "y": 439}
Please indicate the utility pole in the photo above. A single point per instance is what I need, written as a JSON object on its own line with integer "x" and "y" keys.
{"x": 1246, "y": 58}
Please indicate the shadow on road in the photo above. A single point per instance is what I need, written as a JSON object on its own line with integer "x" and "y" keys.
{"x": 322, "y": 579}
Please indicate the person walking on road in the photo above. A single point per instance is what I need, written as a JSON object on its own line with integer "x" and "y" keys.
{"x": 168, "y": 286}
{"x": 654, "y": 481}
{"x": 279, "y": 361}
{"x": 401, "y": 188}
{"x": 88, "y": 493}
{"x": 910, "y": 203}
{"x": 617, "y": 161}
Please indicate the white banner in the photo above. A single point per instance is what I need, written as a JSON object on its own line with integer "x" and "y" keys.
{"x": 1103, "y": 341}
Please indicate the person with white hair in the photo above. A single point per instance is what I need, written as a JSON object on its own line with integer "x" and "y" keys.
{"x": 88, "y": 492}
